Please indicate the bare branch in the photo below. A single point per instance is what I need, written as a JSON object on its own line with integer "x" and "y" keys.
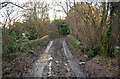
{"x": 4, "y": 4}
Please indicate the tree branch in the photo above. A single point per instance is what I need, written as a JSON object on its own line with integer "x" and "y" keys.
{"x": 4, "y": 4}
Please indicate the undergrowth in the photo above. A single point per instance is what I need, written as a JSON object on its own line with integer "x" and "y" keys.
{"x": 26, "y": 49}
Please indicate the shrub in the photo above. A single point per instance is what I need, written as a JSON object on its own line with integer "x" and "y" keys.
{"x": 35, "y": 43}
{"x": 90, "y": 53}
{"x": 15, "y": 55}
{"x": 61, "y": 26}
{"x": 116, "y": 52}
{"x": 73, "y": 42}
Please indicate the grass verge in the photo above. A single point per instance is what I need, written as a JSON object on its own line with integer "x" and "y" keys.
{"x": 106, "y": 65}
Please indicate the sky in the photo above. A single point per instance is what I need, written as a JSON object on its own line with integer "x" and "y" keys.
{"x": 51, "y": 11}
{"x": 51, "y": 2}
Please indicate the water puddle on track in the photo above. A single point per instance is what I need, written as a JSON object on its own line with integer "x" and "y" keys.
{"x": 40, "y": 64}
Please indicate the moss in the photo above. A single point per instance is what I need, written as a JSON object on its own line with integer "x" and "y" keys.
{"x": 45, "y": 37}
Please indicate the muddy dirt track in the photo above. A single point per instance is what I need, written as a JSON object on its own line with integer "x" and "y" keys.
{"x": 57, "y": 61}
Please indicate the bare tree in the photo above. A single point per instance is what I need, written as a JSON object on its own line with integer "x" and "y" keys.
{"x": 36, "y": 9}
{"x": 10, "y": 12}
{"x": 37, "y": 13}
{"x": 5, "y": 4}
{"x": 83, "y": 20}
{"x": 64, "y": 6}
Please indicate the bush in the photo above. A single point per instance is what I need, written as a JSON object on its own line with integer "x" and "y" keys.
{"x": 73, "y": 42}
{"x": 116, "y": 52}
{"x": 9, "y": 43}
{"x": 14, "y": 48}
{"x": 90, "y": 53}
{"x": 15, "y": 55}
{"x": 35, "y": 43}
{"x": 61, "y": 26}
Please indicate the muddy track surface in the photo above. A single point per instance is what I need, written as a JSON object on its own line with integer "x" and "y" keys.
{"x": 57, "y": 61}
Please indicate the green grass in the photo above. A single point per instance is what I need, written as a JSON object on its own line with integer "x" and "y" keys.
{"x": 73, "y": 42}
{"x": 76, "y": 45}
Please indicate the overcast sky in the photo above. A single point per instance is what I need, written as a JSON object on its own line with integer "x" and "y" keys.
{"x": 51, "y": 2}
{"x": 52, "y": 13}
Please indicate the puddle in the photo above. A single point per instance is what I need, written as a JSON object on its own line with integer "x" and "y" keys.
{"x": 45, "y": 57}
{"x": 40, "y": 64}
